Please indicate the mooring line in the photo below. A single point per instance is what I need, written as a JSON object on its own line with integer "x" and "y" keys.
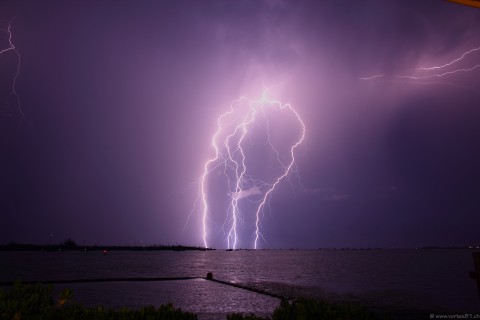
{"x": 236, "y": 285}
{"x": 209, "y": 277}
{"x": 10, "y": 283}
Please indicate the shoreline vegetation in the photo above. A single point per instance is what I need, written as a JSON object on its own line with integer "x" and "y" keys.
{"x": 71, "y": 245}
{"x": 24, "y": 301}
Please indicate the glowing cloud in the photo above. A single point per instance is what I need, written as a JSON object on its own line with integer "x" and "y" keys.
{"x": 246, "y": 193}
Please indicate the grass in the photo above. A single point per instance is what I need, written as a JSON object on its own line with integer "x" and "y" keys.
{"x": 29, "y": 302}
{"x": 25, "y": 302}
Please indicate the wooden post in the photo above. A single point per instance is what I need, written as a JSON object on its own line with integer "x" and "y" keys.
{"x": 476, "y": 273}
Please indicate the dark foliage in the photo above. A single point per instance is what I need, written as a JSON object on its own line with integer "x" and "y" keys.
{"x": 70, "y": 244}
{"x": 306, "y": 309}
{"x": 29, "y": 302}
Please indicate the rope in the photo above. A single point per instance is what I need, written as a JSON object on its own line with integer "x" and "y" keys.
{"x": 209, "y": 278}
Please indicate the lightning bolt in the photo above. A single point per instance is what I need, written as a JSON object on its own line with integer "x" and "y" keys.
{"x": 434, "y": 72}
{"x": 441, "y": 74}
{"x": 12, "y": 49}
{"x": 228, "y": 143}
{"x": 373, "y": 77}
{"x": 451, "y": 62}
{"x": 287, "y": 170}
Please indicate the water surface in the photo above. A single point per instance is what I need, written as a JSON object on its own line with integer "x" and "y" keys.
{"x": 433, "y": 280}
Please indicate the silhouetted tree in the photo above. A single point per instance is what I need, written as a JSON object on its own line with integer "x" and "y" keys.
{"x": 69, "y": 243}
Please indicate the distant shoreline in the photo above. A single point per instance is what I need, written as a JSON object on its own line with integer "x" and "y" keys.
{"x": 75, "y": 247}
{"x": 72, "y": 246}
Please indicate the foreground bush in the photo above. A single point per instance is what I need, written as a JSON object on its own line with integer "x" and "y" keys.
{"x": 29, "y": 302}
{"x": 307, "y": 309}
{"x": 313, "y": 309}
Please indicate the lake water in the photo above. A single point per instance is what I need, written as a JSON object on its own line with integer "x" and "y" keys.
{"x": 432, "y": 280}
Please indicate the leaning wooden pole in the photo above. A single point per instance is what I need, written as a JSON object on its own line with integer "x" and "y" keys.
{"x": 476, "y": 273}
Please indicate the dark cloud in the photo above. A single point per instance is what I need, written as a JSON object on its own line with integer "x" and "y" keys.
{"x": 122, "y": 97}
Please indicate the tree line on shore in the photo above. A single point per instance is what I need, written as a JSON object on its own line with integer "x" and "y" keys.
{"x": 71, "y": 245}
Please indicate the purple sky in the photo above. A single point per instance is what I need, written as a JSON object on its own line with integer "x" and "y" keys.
{"x": 121, "y": 97}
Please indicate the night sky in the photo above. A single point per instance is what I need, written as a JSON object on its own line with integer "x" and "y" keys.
{"x": 120, "y": 101}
